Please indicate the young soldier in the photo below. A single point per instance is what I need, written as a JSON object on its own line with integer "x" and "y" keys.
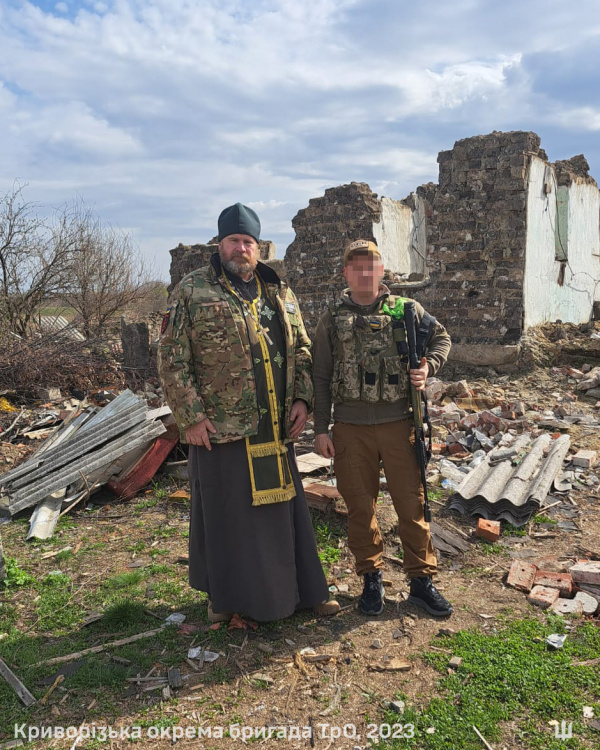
{"x": 357, "y": 366}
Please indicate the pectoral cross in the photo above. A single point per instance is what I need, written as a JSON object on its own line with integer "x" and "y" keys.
{"x": 264, "y": 332}
{"x": 259, "y": 328}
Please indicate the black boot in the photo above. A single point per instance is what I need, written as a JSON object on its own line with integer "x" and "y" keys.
{"x": 425, "y": 595}
{"x": 371, "y": 600}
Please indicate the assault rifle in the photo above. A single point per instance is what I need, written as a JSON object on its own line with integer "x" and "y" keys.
{"x": 418, "y": 401}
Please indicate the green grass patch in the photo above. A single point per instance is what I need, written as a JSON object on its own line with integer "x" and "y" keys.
{"x": 15, "y": 575}
{"x": 510, "y": 676}
{"x": 56, "y": 610}
{"x": 328, "y": 536}
{"x": 124, "y": 580}
{"x": 509, "y": 530}
{"x": 122, "y": 614}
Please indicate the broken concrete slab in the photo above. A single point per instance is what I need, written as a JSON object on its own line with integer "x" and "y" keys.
{"x": 589, "y": 603}
{"x": 567, "y": 607}
{"x": 586, "y": 572}
{"x": 584, "y": 458}
{"x": 593, "y": 590}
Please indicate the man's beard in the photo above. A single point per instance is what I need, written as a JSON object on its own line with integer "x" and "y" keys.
{"x": 239, "y": 267}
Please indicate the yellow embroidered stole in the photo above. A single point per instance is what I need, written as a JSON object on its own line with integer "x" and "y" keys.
{"x": 270, "y": 474}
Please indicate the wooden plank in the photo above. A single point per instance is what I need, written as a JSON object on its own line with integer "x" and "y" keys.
{"x": 16, "y": 685}
{"x": 98, "y": 649}
{"x": 447, "y": 541}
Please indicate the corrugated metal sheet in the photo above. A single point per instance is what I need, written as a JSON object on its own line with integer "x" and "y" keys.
{"x": 509, "y": 492}
{"x": 83, "y": 453}
{"x": 31, "y": 494}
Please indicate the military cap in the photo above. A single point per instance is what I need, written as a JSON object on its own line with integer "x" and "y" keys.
{"x": 361, "y": 247}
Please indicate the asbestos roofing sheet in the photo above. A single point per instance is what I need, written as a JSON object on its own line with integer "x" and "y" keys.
{"x": 512, "y": 492}
{"x": 84, "y": 465}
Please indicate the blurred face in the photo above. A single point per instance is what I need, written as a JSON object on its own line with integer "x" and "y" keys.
{"x": 364, "y": 274}
{"x": 239, "y": 254}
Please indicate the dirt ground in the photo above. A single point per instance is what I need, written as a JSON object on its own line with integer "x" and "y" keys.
{"x": 259, "y": 678}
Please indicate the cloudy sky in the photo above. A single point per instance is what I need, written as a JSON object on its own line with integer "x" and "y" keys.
{"x": 159, "y": 113}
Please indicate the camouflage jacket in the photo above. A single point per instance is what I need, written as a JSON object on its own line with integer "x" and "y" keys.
{"x": 204, "y": 357}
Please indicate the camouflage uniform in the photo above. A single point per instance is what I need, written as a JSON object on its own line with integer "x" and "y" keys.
{"x": 357, "y": 369}
{"x": 259, "y": 560}
{"x": 204, "y": 357}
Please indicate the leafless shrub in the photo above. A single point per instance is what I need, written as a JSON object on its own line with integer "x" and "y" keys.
{"x": 35, "y": 256}
{"x": 56, "y": 361}
{"x": 107, "y": 272}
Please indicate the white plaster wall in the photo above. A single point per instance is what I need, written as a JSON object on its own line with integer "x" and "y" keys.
{"x": 544, "y": 299}
{"x": 400, "y": 236}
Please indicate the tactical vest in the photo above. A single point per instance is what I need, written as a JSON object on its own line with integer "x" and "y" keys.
{"x": 367, "y": 366}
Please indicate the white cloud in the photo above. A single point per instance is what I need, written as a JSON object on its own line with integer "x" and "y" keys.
{"x": 578, "y": 118}
{"x": 160, "y": 114}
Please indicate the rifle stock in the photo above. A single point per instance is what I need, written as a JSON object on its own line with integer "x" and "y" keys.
{"x": 417, "y": 398}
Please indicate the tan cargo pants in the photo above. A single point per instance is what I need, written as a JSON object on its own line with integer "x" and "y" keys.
{"x": 358, "y": 450}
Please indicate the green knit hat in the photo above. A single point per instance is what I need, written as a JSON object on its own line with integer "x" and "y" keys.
{"x": 239, "y": 219}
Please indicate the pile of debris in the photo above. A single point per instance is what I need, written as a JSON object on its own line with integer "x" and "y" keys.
{"x": 503, "y": 456}
{"x": 588, "y": 380}
{"x": 120, "y": 445}
{"x": 572, "y": 588}
{"x": 512, "y": 483}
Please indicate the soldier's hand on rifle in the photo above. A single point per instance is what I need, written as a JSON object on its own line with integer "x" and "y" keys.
{"x": 419, "y": 377}
{"x": 324, "y": 446}
{"x": 298, "y": 416}
{"x": 197, "y": 434}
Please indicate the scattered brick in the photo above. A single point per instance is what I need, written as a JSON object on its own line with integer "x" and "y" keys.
{"x": 567, "y": 607}
{"x": 585, "y": 459}
{"x": 521, "y": 575}
{"x": 455, "y": 662}
{"x": 561, "y": 581}
{"x": 542, "y": 596}
{"x": 586, "y": 572}
{"x": 489, "y": 530}
{"x": 321, "y": 496}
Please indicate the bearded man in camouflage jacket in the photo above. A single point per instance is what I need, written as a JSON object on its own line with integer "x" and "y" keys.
{"x": 235, "y": 365}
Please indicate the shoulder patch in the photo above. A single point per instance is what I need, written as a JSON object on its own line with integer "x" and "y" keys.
{"x": 165, "y": 321}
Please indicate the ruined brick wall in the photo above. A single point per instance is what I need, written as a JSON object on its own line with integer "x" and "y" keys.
{"x": 314, "y": 259}
{"x": 476, "y": 237}
{"x": 471, "y": 227}
{"x": 186, "y": 258}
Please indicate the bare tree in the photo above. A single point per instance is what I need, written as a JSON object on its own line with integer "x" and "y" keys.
{"x": 106, "y": 274}
{"x": 35, "y": 256}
